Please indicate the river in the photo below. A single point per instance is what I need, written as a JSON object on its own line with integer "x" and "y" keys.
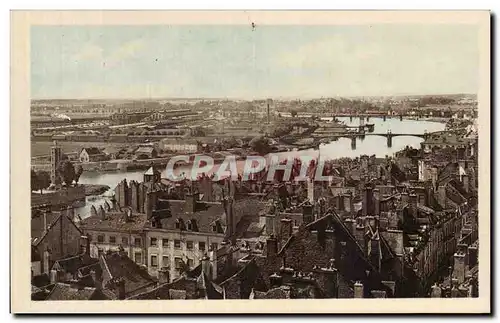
{"x": 371, "y": 145}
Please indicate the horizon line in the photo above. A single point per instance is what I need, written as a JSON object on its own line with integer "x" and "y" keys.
{"x": 228, "y": 98}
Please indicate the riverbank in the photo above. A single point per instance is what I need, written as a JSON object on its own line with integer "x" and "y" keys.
{"x": 94, "y": 189}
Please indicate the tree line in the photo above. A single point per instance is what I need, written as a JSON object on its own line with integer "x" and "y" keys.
{"x": 66, "y": 173}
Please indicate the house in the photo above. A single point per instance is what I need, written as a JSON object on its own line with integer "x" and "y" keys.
{"x": 110, "y": 227}
{"x": 180, "y": 145}
{"x": 54, "y": 236}
{"x": 146, "y": 152}
{"x": 91, "y": 154}
{"x": 112, "y": 152}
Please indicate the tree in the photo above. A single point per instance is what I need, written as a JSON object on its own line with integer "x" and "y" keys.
{"x": 43, "y": 179}
{"x": 66, "y": 172}
{"x": 78, "y": 173}
{"x": 261, "y": 145}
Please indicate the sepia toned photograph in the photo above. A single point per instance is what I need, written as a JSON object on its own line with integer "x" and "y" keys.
{"x": 256, "y": 156}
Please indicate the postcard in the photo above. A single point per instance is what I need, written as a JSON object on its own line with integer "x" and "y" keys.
{"x": 250, "y": 162}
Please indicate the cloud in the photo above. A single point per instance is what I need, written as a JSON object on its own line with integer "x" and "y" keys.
{"x": 125, "y": 51}
{"x": 94, "y": 52}
{"x": 88, "y": 52}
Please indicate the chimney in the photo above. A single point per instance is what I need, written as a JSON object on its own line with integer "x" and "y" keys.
{"x": 413, "y": 201}
{"x": 434, "y": 177}
{"x": 213, "y": 263}
{"x": 359, "y": 290}
{"x": 310, "y": 190}
{"x": 368, "y": 200}
{"x": 465, "y": 182}
{"x": 97, "y": 280}
{"x": 348, "y": 205}
{"x": 391, "y": 285}
{"x": 340, "y": 202}
{"x": 328, "y": 278}
{"x": 442, "y": 196}
{"x": 230, "y": 222}
{"x": 271, "y": 247}
{"x": 405, "y": 198}
{"x": 85, "y": 245}
{"x": 206, "y": 267}
{"x": 121, "y": 288}
{"x": 45, "y": 226}
{"x": 459, "y": 267}
{"x": 163, "y": 276}
{"x": 207, "y": 189}
{"x": 275, "y": 280}
{"x": 54, "y": 276}
{"x": 351, "y": 225}
{"x": 151, "y": 199}
{"x": 286, "y": 228}
{"x": 307, "y": 213}
{"x": 376, "y": 201}
{"x": 436, "y": 291}
{"x": 359, "y": 234}
{"x": 472, "y": 256}
{"x": 46, "y": 262}
{"x": 191, "y": 201}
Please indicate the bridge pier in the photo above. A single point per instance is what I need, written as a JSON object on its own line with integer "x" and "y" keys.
{"x": 367, "y": 118}
{"x": 384, "y": 117}
{"x": 353, "y": 143}
{"x": 350, "y": 118}
{"x": 389, "y": 140}
{"x": 400, "y": 117}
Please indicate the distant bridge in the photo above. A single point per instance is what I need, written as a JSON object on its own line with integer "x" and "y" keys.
{"x": 389, "y": 135}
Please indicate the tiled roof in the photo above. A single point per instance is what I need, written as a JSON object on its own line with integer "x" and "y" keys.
{"x": 72, "y": 264}
{"x": 92, "y": 151}
{"x": 37, "y": 223}
{"x": 115, "y": 221}
{"x": 40, "y": 280}
{"x": 281, "y": 292}
{"x": 118, "y": 265}
{"x": 62, "y": 292}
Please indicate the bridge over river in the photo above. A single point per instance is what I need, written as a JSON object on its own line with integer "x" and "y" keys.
{"x": 389, "y": 135}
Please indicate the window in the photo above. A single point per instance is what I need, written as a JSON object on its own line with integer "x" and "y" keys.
{"x": 214, "y": 228}
{"x": 189, "y": 245}
{"x": 125, "y": 241}
{"x": 165, "y": 262}
{"x": 138, "y": 257}
{"x": 201, "y": 246}
{"x": 154, "y": 261}
{"x": 100, "y": 238}
{"x": 190, "y": 263}
{"x": 178, "y": 263}
{"x": 153, "y": 242}
{"x": 137, "y": 242}
{"x": 112, "y": 239}
{"x": 177, "y": 244}
{"x": 214, "y": 246}
{"x": 164, "y": 243}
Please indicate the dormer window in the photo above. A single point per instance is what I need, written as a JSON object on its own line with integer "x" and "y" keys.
{"x": 179, "y": 224}
{"x": 192, "y": 225}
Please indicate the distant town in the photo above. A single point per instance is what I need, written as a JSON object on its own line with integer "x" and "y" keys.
{"x": 397, "y": 217}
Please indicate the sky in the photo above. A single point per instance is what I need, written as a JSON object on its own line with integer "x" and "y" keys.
{"x": 182, "y": 61}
